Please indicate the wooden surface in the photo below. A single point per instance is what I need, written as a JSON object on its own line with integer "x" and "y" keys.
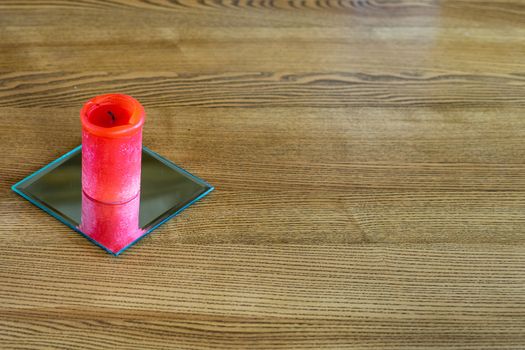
{"x": 368, "y": 158}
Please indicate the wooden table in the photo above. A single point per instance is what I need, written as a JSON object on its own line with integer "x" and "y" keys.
{"x": 368, "y": 158}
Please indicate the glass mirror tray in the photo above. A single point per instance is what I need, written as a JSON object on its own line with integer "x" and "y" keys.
{"x": 166, "y": 190}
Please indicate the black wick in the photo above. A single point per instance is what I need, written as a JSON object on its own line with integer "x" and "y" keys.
{"x": 112, "y": 116}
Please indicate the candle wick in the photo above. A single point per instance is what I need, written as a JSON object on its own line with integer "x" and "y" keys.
{"x": 112, "y": 116}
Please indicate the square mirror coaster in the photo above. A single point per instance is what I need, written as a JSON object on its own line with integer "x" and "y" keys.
{"x": 166, "y": 190}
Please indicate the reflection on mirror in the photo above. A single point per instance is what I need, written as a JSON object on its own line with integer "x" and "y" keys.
{"x": 166, "y": 190}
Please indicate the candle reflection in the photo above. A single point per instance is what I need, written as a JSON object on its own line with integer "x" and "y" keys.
{"x": 112, "y": 225}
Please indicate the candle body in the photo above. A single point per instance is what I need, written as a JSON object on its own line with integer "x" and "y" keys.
{"x": 111, "y": 169}
{"x": 111, "y": 147}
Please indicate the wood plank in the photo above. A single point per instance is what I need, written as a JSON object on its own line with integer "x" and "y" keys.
{"x": 367, "y": 155}
{"x": 262, "y": 36}
{"x": 416, "y": 175}
{"x": 264, "y": 89}
{"x": 299, "y": 137}
{"x": 265, "y": 297}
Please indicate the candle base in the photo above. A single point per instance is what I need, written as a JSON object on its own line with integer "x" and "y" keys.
{"x": 166, "y": 190}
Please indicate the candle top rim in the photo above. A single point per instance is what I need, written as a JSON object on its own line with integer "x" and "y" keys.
{"x": 134, "y": 118}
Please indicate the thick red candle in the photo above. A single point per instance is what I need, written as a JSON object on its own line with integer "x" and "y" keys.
{"x": 111, "y": 147}
{"x": 111, "y": 163}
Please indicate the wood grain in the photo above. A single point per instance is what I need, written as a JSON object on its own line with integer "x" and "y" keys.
{"x": 368, "y": 160}
{"x": 337, "y": 89}
{"x": 266, "y": 297}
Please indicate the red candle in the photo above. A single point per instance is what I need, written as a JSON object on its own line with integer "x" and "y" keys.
{"x": 111, "y": 163}
{"x": 111, "y": 147}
